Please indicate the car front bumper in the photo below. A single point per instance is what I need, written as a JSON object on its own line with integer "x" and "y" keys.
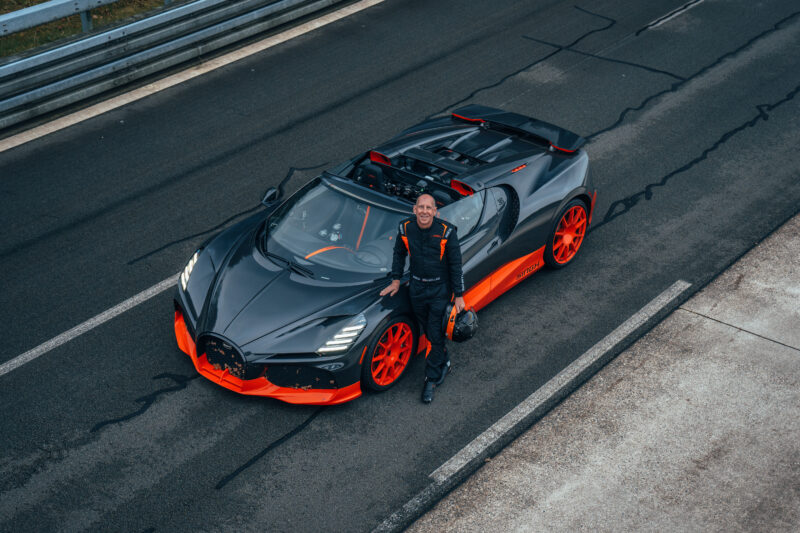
{"x": 259, "y": 386}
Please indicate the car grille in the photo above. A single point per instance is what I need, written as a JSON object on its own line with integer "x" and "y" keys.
{"x": 224, "y": 355}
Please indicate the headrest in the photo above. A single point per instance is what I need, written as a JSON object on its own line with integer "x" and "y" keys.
{"x": 371, "y": 175}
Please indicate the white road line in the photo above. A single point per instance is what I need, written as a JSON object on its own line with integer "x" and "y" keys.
{"x": 677, "y": 12}
{"x": 180, "y": 77}
{"x": 90, "y": 324}
{"x": 557, "y": 384}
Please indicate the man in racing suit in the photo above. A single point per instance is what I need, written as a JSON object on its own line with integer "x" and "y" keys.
{"x": 436, "y": 274}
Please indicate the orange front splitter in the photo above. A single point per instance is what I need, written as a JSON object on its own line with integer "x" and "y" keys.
{"x": 259, "y": 386}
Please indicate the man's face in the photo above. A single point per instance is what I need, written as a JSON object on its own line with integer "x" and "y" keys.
{"x": 425, "y": 210}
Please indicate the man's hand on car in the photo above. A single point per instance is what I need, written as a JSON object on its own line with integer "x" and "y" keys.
{"x": 392, "y": 289}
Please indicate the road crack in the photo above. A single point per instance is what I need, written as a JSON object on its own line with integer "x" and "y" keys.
{"x": 569, "y": 48}
{"x": 622, "y": 206}
{"x": 148, "y": 400}
{"x": 225, "y": 222}
{"x": 678, "y": 84}
{"x": 610, "y": 22}
{"x": 253, "y": 460}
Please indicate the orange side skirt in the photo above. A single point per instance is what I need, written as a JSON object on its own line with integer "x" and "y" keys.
{"x": 502, "y": 279}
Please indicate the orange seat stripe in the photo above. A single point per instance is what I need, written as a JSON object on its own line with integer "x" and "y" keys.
{"x": 363, "y": 225}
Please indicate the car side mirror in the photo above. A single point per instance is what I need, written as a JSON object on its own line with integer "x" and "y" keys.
{"x": 270, "y": 197}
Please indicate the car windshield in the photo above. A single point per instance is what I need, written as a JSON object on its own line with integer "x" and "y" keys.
{"x": 324, "y": 226}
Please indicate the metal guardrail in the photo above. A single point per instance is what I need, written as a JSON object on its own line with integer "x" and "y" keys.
{"x": 41, "y": 83}
{"x": 33, "y": 16}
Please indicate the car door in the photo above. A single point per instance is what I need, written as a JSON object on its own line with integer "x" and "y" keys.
{"x": 480, "y": 219}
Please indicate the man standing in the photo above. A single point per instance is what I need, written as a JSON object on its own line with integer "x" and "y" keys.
{"x": 436, "y": 274}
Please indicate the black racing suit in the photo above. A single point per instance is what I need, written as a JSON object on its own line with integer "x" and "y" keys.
{"x": 435, "y": 275}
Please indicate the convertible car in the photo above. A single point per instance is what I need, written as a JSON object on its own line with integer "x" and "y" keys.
{"x": 285, "y": 304}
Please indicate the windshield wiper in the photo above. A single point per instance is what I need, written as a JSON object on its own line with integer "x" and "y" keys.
{"x": 276, "y": 257}
{"x": 307, "y": 272}
{"x": 288, "y": 263}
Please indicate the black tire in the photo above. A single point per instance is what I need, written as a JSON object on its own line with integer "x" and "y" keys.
{"x": 567, "y": 235}
{"x": 401, "y": 343}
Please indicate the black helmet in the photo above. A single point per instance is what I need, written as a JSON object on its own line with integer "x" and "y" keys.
{"x": 460, "y": 327}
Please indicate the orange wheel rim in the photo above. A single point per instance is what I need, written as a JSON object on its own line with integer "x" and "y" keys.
{"x": 392, "y": 353}
{"x": 569, "y": 234}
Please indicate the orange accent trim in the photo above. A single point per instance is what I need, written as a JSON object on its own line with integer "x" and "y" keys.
{"x": 363, "y": 225}
{"x": 405, "y": 241}
{"x": 502, "y": 279}
{"x": 424, "y": 345}
{"x": 591, "y": 207}
{"x": 451, "y": 323}
{"x": 478, "y": 120}
{"x": 519, "y": 168}
{"x": 461, "y": 187}
{"x": 443, "y": 242}
{"x": 364, "y": 351}
{"x": 312, "y": 254}
{"x": 185, "y": 341}
{"x": 259, "y": 386}
{"x": 378, "y": 157}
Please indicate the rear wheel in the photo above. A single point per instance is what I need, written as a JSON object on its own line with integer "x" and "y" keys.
{"x": 389, "y": 353}
{"x": 567, "y": 236}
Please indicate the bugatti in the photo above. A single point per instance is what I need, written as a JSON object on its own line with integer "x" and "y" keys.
{"x": 285, "y": 304}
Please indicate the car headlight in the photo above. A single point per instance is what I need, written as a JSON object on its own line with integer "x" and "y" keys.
{"x": 345, "y": 337}
{"x": 187, "y": 270}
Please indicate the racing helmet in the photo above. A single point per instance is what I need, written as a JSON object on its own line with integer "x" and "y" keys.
{"x": 459, "y": 327}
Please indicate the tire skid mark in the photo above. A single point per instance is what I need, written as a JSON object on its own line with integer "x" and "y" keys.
{"x": 622, "y": 206}
{"x": 253, "y": 460}
{"x": 148, "y": 400}
{"x": 678, "y": 84}
{"x": 610, "y": 23}
{"x": 569, "y": 48}
{"x": 225, "y": 222}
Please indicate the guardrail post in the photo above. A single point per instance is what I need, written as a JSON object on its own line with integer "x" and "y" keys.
{"x": 86, "y": 21}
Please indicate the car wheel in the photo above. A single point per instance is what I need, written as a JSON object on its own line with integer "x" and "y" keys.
{"x": 389, "y": 353}
{"x": 567, "y": 235}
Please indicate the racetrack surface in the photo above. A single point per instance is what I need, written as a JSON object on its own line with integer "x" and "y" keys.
{"x": 693, "y": 122}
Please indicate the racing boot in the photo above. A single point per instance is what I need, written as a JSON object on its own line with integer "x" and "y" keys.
{"x": 444, "y": 373}
{"x": 427, "y": 391}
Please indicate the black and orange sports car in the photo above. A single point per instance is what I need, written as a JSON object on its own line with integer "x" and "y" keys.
{"x": 285, "y": 304}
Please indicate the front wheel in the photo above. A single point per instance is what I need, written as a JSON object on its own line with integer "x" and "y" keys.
{"x": 388, "y": 354}
{"x": 567, "y": 236}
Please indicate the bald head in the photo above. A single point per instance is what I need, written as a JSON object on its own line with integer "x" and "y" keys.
{"x": 425, "y": 210}
{"x": 425, "y": 198}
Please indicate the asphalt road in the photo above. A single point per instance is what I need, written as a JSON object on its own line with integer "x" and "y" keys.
{"x": 693, "y": 122}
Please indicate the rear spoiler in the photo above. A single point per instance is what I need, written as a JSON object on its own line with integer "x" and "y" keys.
{"x": 558, "y": 138}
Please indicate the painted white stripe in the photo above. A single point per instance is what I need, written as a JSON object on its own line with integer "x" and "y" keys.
{"x": 180, "y": 77}
{"x": 556, "y": 384}
{"x": 89, "y": 325}
{"x": 676, "y": 13}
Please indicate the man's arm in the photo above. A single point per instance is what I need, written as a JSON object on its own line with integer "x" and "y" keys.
{"x": 453, "y": 252}
{"x": 398, "y": 262}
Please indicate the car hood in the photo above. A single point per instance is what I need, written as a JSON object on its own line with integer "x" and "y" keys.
{"x": 252, "y": 297}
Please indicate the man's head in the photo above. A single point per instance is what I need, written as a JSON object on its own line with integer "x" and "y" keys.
{"x": 425, "y": 210}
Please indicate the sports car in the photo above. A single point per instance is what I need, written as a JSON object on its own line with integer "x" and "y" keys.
{"x": 285, "y": 303}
